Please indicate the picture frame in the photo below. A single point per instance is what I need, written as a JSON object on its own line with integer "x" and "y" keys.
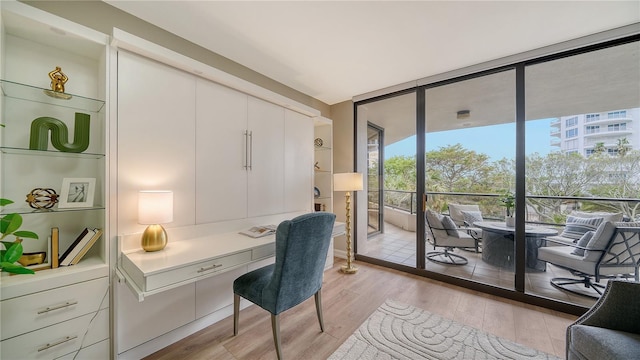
{"x": 77, "y": 193}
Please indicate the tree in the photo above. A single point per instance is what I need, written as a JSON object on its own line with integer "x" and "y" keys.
{"x": 599, "y": 148}
{"x": 621, "y": 179}
{"x": 562, "y": 175}
{"x": 400, "y": 173}
{"x": 623, "y": 146}
{"x": 455, "y": 169}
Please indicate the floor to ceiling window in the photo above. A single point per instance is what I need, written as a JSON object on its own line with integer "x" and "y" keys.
{"x": 583, "y": 147}
{"x": 511, "y": 156}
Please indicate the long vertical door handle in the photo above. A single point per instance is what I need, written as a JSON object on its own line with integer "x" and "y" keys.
{"x": 245, "y": 164}
{"x": 250, "y": 150}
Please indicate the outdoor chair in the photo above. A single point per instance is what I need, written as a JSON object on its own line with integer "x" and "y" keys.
{"x": 612, "y": 251}
{"x": 464, "y": 215}
{"x": 611, "y": 328}
{"x": 301, "y": 250}
{"x": 446, "y": 235}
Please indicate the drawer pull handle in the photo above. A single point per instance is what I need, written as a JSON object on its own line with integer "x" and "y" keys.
{"x": 61, "y": 306}
{"x": 207, "y": 268}
{"x": 62, "y": 341}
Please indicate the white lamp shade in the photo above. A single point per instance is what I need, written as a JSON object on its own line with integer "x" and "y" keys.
{"x": 347, "y": 182}
{"x": 155, "y": 207}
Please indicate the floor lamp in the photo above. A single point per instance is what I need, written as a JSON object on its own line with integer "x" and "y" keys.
{"x": 348, "y": 182}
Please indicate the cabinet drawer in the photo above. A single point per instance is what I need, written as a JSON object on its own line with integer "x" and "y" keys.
{"x": 59, "y": 339}
{"x": 191, "y": 272}
{"x": 30, "y": 312}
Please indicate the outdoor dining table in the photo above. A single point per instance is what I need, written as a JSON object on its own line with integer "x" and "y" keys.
{"x": 498, "y": 247}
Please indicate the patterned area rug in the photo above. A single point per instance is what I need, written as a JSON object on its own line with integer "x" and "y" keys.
{"x": 400, "y": 331}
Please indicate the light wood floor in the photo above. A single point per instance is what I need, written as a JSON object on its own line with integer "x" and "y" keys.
{"x": 349, "y": 299}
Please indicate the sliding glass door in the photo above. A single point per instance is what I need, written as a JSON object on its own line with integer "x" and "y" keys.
{"x": 391, "y": 178}
{"x": 583, "y": 147}
{"x": 478, "y": 173}
{"x": 469, "y": 165}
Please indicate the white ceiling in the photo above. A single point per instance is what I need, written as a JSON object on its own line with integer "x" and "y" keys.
{"x": 334, "y": 50}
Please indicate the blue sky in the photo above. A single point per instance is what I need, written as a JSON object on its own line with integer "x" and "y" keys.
{"x": 497, "y": 141}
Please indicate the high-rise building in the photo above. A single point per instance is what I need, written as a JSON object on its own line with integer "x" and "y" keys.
{"x": 600, "y": 131}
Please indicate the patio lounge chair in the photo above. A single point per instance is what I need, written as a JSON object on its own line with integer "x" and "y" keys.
{"x": 446, "y": 235}
{"x": 613, "y": 250}
{"x": 464, "y": 216}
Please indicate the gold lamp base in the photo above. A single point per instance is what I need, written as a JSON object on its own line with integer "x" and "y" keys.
{"x": 349, "y": 269}
{"x": 154, "y": 238}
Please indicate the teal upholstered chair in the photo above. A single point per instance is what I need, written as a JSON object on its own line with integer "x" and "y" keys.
{"x": 301, "y": 250}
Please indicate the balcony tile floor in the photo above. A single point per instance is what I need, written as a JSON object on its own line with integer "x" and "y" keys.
{"x": 398, "y": 246}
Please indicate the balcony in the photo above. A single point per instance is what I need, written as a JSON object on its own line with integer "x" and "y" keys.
{"x": 398, "y": 244}
{"x": 608, "y": 133}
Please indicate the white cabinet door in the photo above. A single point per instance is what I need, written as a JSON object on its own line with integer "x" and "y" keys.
{"x": 221, "y": 176}
{"x": 156, "y": 315}
{"x": 266, "y": 148}
{"x": 156, "y": 133}
{"x": 298, "y": 162}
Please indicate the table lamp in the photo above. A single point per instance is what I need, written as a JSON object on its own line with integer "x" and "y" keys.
{"x": 155, "y": 207}
{"x": 348, "y": 182}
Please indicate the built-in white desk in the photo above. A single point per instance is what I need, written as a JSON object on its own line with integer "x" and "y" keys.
{"x": 186, "y": 261}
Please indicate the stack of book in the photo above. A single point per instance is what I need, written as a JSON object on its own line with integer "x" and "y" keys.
{"x": 79, "y": 247}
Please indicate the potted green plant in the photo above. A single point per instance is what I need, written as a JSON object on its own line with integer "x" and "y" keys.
{"x": 508, "y": 200}
{"x": 9, "y": 225}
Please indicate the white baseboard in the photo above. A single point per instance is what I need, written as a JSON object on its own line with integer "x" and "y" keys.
{"x": 342, "y": 254}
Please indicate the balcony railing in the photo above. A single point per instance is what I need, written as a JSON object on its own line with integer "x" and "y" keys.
{"x": 544, "y": 210}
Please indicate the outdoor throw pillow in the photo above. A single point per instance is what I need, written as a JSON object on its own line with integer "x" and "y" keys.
{"x": 472, "y": 216}
{"x": 450, "y": 226}
{"x": 599, "y": 241}
{"x": 577, "y": 226}
{"x": 583, "y": 242}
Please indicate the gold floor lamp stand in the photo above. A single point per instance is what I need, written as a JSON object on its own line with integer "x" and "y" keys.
{"x": 349, "y": 268}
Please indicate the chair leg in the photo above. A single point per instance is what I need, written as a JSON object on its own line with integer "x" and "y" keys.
{"x": 236, "y": 313}
{"x": 319, "y": 310}
{"x": 446, "y": 257}
{"x": 561, "y": 284}
{"x": 275, "y": 326}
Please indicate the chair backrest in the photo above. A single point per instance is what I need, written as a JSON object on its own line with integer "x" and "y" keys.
{"x": 455, "y": 211}
{"x": 434, "y": 225}
{"x": 623, "y": 250}
{"x": 301, "y": 251}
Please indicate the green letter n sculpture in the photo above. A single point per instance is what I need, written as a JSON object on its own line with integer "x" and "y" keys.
{"x": 60, "y": 134}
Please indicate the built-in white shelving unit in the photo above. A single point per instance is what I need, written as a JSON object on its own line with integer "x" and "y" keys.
{"x": 65, "y": 311}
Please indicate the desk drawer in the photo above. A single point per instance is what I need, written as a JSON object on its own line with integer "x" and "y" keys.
{"x": 165, "y": 278}
{"x": 59, "y": 339}
{"x": 30, "y": 312}
{"x": 263, "y": 251}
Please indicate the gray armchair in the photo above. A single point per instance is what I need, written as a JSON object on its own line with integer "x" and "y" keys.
{"x": 611, "y": 328}
{"x": 301, "y": 250}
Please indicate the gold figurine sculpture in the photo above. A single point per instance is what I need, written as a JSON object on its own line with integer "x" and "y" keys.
{"x": 58, "y": 79}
